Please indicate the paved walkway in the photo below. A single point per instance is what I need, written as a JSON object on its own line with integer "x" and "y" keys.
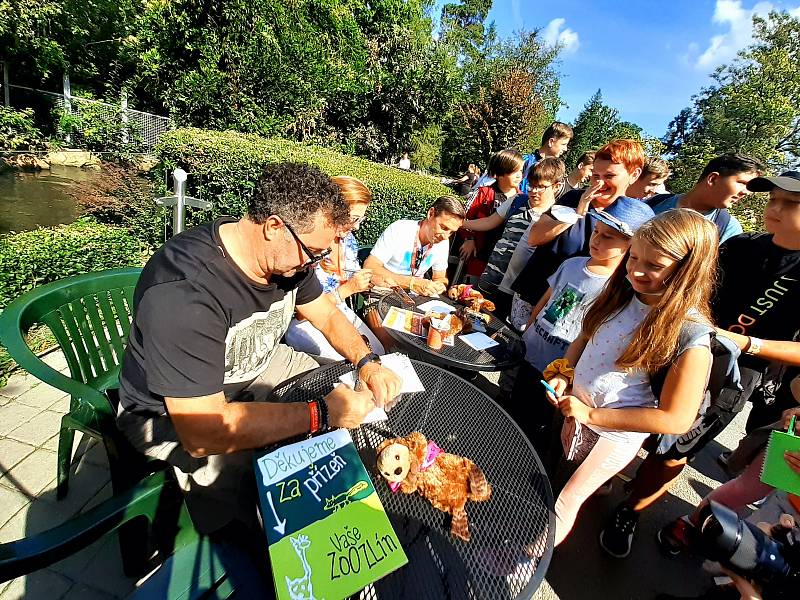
{"x": 30, "y": 414}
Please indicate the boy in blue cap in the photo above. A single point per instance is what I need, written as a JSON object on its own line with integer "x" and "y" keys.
{"x": 557, "y": 318}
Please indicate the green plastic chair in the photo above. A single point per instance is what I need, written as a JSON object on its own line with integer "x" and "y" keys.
{"x": 90, "y": 317}
{"x": 192, "y": 566}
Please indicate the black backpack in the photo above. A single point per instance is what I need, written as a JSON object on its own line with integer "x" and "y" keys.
{"x": 724, "y": 354}
{"x": 721, "y": 218}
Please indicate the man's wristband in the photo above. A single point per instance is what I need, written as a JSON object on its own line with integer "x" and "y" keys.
{"x": 314, "y": 416}
{"x": 324, "y": 423}
{"x": 367, "y": 358}
{"x": 337, "y": 296}
{"x": 411, "y": 284}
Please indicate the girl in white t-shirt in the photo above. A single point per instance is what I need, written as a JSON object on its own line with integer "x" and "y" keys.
{"x": 631, "y": 332}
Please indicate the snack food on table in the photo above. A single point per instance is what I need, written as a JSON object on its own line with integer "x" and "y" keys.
{"x": 468, "y": 296}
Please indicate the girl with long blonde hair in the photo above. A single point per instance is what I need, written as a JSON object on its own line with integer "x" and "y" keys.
{"x": 631, "y": 333}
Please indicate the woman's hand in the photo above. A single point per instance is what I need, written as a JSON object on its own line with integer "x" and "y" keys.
{"x": 560, "y": 384}
{"x": 359, "y": 282}
{"x": 570, "y": 406}
{"x": 587, "y": 197}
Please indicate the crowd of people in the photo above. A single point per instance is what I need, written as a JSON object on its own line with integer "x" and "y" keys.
{"x": 651, "y": 316}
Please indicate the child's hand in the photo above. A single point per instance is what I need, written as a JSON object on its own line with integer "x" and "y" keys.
{"x": 570, "y": 406}
{"x": 559, "y": 383}
{"x": 793, "y": 460}
{"x": 786, "y": 417}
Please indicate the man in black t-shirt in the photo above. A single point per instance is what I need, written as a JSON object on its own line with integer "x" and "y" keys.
{"x": 204, "y": 351}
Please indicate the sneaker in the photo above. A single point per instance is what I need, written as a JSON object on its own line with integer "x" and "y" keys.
{"x": 677, "y": 536}
{"x": 616, "y": 538}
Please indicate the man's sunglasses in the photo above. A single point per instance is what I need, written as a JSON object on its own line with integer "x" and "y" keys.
{"x": 313, "y": 259}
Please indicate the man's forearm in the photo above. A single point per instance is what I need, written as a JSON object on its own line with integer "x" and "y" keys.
{"x": 344, "y": 337}
{"x": 380, "y": 272}
{"x": 546, "y": 230}
{"x": 210, "y": 425}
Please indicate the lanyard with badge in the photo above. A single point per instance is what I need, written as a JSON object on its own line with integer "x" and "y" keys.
{"x": 417, "y": 256}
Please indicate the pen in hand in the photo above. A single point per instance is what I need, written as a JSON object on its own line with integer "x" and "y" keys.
{"x": 550, "y": 389}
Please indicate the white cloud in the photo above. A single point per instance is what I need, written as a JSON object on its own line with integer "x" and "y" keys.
{"x": 556, "y": 33}
{"x": 739, "y": 23}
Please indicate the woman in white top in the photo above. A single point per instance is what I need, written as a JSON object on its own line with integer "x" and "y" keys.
{"x": 341, "y": 276}
{"x": 630, "y": 333}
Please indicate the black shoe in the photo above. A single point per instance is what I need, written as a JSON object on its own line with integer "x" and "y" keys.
{"x": 616, "y": 538}
{"x": 722, "y": 461}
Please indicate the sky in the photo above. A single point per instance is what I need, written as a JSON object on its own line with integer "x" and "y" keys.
{"x": 647, "y": 56}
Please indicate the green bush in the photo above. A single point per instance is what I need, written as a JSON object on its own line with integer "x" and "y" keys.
{"x": 32, "y": 258}
{"x": 17, "y": 131}
{"x": 223, "y": 167}
{"x": 750, "y": 212}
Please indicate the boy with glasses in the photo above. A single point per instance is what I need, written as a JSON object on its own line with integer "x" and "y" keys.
{"x": 515, "y": 215}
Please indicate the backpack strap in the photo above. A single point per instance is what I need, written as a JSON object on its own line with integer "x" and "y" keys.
{"x": 724, "y": 368}
{"x": 654, "y": 201}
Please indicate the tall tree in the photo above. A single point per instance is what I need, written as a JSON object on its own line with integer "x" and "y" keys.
{"x": 510, "y": 96}
{"x": 463, "y": 26}
{"x": 593, "y": 127}
{"x": 753, "y": 105}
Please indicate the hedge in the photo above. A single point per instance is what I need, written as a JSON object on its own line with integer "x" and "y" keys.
{"x": 224, "y": 165}
{"x": 32, "y": 258}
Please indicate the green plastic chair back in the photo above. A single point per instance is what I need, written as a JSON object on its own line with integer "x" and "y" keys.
{"x": 90, "y": 317}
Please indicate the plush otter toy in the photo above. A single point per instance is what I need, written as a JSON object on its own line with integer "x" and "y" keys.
{"x": 447, "y": 481}
{"x": 470, "y": 297}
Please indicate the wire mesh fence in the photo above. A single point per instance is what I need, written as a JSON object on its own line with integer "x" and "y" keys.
{"x": 94, "y": 123}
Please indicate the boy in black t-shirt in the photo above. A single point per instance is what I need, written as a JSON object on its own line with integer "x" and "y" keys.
{"x": 758, "y": 296}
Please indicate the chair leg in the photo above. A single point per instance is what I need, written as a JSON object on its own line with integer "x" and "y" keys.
{"x": 65, "y": 439}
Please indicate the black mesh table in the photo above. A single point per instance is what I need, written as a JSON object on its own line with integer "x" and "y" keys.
{"x": 460, "y": 355}
{"x": 512, "y": 533}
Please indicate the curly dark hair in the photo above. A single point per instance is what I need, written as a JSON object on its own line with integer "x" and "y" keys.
{"x": 296, "y": 192}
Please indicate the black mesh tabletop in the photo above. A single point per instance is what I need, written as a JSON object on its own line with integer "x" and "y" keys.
{"x": 512, "y": 532}
{"x": 460, "y": 355}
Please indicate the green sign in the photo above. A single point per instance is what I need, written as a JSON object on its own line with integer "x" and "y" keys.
{"x": 328, "y": 533}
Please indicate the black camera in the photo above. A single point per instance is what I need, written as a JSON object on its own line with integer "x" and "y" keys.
{"x": 773, "y": 561}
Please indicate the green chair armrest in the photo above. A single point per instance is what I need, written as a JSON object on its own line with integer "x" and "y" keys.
{"x": 43, "y": 549}
{"x": 26, "y": 359}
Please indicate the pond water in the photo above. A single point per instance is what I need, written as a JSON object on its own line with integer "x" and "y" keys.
{"x": 32, "y": 199}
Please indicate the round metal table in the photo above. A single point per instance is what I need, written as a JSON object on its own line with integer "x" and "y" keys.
{"x": 512, "y": 532}
{"x": 507, "y": 354}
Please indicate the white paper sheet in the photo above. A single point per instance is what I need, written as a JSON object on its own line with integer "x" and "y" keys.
{"x": 436, "y": 306}
{"x": 479, "y": 341}
{"x": 402, "y": 367}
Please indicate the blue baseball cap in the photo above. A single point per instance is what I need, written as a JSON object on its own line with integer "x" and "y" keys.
{"x": 625, "y": 215}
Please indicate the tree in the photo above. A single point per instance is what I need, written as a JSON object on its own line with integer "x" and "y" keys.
{"x": 593, "y": 127}
{"x": 510, "y": 96}
{"x": 753, "y": 105}
{"x": 463, "y": 26}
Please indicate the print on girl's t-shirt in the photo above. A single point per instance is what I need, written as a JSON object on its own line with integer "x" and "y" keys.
{"x": 568, "y": 298}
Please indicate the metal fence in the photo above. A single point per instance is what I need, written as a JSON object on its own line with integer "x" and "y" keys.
{"x": 137, "y": 130}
